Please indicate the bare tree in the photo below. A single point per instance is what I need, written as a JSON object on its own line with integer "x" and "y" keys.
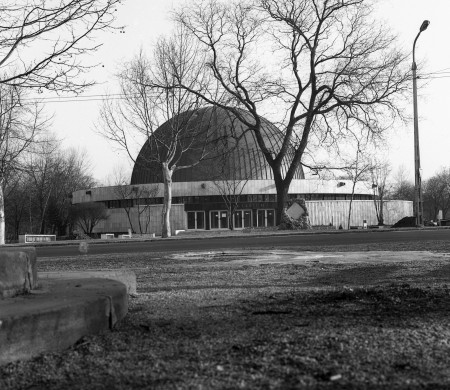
{"x": 19, "y": 127}
{"x": 71, "y": 173}
{"x": 358, "y": 168}
{"x": 315, "y": 68}
{"x": 16, "y": 194}
{"x": 40, "y": 44}
{"x": 136, "y": 199}
{"x": 41, "y": 166}
{"x": 402, "y": 188}
{"x": 437, "y": 194}
{"x": 40, "y": 41}
{"x": 151, "y": 98}
{"x": 38, "y": 195}
{"x": 88, "y": 215}
{"x": 380, "y": 172}
{"x": 119, "y": 175}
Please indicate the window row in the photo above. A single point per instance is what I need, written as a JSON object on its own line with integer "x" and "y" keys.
{"x": 218, "y": 219}
{"x": 126, "y": 203}
{"x": 220, "y": 199}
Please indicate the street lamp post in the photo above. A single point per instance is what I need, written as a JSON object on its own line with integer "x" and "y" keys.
{"x": 418, "y": 200}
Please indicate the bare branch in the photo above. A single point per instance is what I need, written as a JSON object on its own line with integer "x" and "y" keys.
{"x": 59, "y": 31}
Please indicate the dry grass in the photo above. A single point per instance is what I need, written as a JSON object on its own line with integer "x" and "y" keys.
{"x": 212, "y": 324}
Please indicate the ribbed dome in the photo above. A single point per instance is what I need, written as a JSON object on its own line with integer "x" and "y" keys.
{"x": 232, "y": 153}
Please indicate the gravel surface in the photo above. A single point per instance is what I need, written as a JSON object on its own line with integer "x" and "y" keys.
{"x": 210, "y": 323}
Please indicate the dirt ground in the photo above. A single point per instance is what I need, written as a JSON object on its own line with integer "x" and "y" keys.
{"x": 221, "y": 320}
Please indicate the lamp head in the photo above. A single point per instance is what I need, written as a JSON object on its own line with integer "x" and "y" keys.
{"x": 424, "y": 25}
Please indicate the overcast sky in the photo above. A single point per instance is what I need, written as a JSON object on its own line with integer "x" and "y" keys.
{"x": 145, "y": 20}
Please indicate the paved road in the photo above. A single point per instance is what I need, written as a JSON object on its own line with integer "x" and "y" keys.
{"x": 252, "y": 242}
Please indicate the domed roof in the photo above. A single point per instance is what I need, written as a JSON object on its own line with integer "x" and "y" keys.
{"x": 231, "y": 152}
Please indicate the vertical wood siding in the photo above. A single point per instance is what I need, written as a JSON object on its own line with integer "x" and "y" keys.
{"x": 335, "y": 212}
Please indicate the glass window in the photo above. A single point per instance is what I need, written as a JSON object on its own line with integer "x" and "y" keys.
{"x": 270, "y": 217}
{"x": 200, "y": 219}
{"x": 196, "y": 219}
{"x": 247, "y": 218}
{"x": 214, "y": 219}
{"x": 219, "y": 219}
{"x": 261, "y": 218}
{"x": 266, "y": 218}
{"x": 191, "y": 220}
{"x": 223, "y": 219}
{"x": 238, "y": 219}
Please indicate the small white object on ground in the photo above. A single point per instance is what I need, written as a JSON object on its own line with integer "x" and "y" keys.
{"x": 83, "y": 247}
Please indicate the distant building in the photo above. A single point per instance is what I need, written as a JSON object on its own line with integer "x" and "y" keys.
{"x": 198, "y": 201}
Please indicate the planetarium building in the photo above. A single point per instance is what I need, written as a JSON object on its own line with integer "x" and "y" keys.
{"x": 221, "y": 163}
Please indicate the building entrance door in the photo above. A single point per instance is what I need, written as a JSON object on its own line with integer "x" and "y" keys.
{"x": 219, "y": 219}
{"x": 242, "y": 219}
{"x": 196, "y": 220}
{"x": 266, "y": 218}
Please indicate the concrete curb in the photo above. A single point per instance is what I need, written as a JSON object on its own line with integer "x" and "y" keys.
{"x": 58, "y": 314}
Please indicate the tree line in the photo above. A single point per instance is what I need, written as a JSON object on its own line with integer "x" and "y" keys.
{"x": 388, "y": 185}
{"x": 436, "y": 193}
{"x": 38, "y": 196}
{"x": 41, "y": 42}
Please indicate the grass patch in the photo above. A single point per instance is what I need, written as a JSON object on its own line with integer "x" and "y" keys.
{"x": 206, "y": 324}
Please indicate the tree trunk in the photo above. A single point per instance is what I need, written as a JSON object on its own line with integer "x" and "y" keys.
{"x": 139, "y": 219}
{"x": 282, "y": 197}
{"x": 230, "y": 217}
{"x": 350, "y": 206}
{"x": 2, "y": 214}
{"x": 42, "y": 216}
{"x": 381, "y": 217}
{"x": 145, "y": 210}
{"x": 167, "y": 206}
{"x": 128, "y": 211}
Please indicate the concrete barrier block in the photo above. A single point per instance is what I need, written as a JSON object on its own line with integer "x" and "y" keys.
{"x": 57, "y": 315}
{"x": 18, "y": 272}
